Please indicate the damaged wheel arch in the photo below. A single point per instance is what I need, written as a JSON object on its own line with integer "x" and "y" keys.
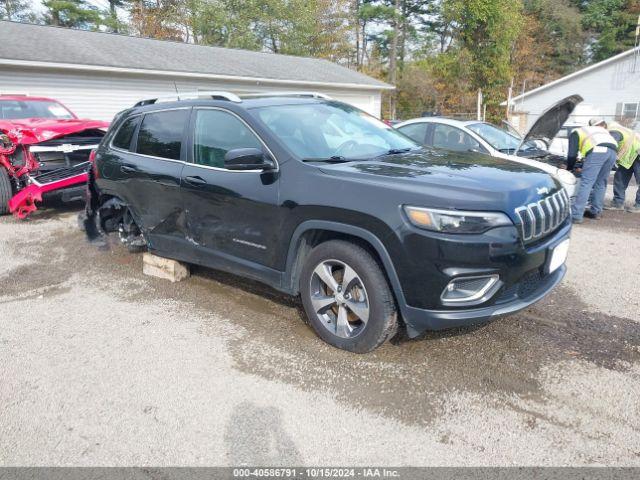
{"x": 106, "y": 214}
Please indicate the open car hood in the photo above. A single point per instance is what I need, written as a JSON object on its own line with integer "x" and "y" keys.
{"x": 27, "y": 131}
{"x": 551, "y": 121}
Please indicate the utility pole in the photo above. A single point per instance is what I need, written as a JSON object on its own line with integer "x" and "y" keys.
{"x": 509, "y": 97}
{"x": 393, "y": 58}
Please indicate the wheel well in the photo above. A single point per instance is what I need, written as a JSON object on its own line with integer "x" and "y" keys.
{"x": 312, "y": 238}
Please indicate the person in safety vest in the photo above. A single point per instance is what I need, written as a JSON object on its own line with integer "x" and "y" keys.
{"x": 599, "y": 151}
{"x": 628, "y": 166}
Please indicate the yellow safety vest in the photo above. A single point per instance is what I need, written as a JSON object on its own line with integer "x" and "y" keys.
{"x": 628, "y": 147}
{"x": 591, "y": 137}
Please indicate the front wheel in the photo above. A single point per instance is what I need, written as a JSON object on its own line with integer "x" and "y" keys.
{"x": 347, "y": 297}
{"x": 6, "y": 191}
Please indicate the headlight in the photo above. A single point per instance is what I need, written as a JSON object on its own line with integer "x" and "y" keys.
{"x": 453, "y": 221}
{"x": 565, "y": 176}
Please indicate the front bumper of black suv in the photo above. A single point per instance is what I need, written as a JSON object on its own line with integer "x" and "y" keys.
{"x": 522, "y": 269}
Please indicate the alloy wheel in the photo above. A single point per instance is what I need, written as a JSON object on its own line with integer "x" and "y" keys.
{"x": 339, "y": 298}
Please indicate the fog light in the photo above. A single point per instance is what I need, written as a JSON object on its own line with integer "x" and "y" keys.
{"x": 470, "y": 290}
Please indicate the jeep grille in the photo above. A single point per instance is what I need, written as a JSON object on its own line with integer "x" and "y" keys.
{"x": 539, "y": 219}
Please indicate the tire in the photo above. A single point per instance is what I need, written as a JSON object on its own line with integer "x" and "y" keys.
{"x": 336, "y": 312}
{"x": 6, "y": 191}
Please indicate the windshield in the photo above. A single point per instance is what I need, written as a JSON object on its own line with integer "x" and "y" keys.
{"x": 497, "y": 138}
{"x": 332, "y": 130}
{"x": 17, "y": 109}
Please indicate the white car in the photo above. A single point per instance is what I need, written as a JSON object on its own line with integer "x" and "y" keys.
{"x": 482, "y": 137}
{"x": 560, "y": 144}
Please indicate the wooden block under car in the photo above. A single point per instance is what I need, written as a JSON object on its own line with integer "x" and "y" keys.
{"x": 164, "y": 268}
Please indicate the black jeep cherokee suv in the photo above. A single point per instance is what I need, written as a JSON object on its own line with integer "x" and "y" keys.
{"x": 316, "y": 198}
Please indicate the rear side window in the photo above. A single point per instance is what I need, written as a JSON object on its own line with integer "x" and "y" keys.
{"x": 415, "y": 131}
{"x": 125, "y": 133}
{"x": 216, "y": 133}
{"x": 160, "y": 134}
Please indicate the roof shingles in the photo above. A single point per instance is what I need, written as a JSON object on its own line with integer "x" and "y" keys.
{"x": 39, "y": 43}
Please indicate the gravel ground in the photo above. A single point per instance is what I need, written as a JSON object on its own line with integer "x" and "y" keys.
{"x": 100, "y": 365}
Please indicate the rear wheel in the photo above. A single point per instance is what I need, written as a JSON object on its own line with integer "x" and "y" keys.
{"x": 130, "y": 234}
{"x": 347, "y": 297}
{"x": 6, "y": 191}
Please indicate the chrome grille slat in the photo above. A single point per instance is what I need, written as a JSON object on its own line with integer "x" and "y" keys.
{"x": 557, "y": 212}
{"x": 539, "y": 219}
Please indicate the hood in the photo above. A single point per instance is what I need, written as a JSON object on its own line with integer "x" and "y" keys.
{"x": 27, "y": 131}
{"x": 551, "y": 121}
{"x": 451, "y": 180}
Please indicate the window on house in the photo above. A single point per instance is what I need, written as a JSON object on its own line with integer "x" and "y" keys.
{"x": 630, "y": 110}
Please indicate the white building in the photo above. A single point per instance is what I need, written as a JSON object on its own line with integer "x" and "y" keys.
{"x": 611, "y": 89}
{"x": 99, "y": 74}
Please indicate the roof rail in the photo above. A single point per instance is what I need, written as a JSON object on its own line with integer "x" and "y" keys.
{"x": 214, "y": 95}
{"x": 287, "y": 94}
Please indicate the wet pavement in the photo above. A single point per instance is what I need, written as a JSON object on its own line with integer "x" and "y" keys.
{"x": 104, "y": 366}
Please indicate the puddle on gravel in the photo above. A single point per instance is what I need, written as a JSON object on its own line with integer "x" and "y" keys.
{"x": 409, "y": 381}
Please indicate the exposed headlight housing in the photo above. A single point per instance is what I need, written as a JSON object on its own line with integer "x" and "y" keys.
{"x": 454, "y": 221}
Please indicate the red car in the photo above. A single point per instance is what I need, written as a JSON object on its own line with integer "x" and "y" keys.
{"x": 44, "y": 147}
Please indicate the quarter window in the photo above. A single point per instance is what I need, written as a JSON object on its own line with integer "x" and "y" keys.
{"x": 124, "y": 136}
{"x": 415, "y": 131}
{"x": 216, "y": 133}
{"x": 160, "y": 134}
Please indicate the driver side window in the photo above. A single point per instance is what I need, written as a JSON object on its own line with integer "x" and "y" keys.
{"x": 451, "y": 138}
{"x": 217, "y": 132}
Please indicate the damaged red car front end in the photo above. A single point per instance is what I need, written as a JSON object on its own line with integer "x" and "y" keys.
{"x": 44, "y": 148}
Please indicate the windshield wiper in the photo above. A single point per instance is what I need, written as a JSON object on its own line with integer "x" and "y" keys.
{"x": 334, "y": 159}
{"x": 396, "y": 151}
{"x": 506, "y": 150}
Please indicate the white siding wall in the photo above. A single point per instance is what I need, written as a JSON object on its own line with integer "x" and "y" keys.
{"x": 101, "y": 95}
{"x": 602, "y": 89}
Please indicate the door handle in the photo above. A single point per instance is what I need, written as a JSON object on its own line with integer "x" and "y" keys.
{"x": 128, "y": 169}
{"x": 195, "y": 181}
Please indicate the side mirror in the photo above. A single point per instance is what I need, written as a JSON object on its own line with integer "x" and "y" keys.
{"x": 246, "y": 159}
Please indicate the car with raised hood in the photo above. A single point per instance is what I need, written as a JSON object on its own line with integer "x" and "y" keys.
{"x": 44, "y": 151}
{"x": 482, "y": 137}
{"x": 319, "y": 199}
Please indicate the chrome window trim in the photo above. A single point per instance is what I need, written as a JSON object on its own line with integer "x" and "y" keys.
{"x": 184, "y": 162}
{"x": 142, "y": 114}
{"x": 113, "y": 136}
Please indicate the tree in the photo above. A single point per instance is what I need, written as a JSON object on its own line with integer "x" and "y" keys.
{"x": 612, "y": 24}
{"x": 486, "y": 31}
{"x": 72, "y": 14}
{"x": 551, "y": 43}
{"x": 417, "y": 91}
{"x": 17, "y": 11}
{"x": 158, "y": 19}
{"x": 111, "y": 20}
